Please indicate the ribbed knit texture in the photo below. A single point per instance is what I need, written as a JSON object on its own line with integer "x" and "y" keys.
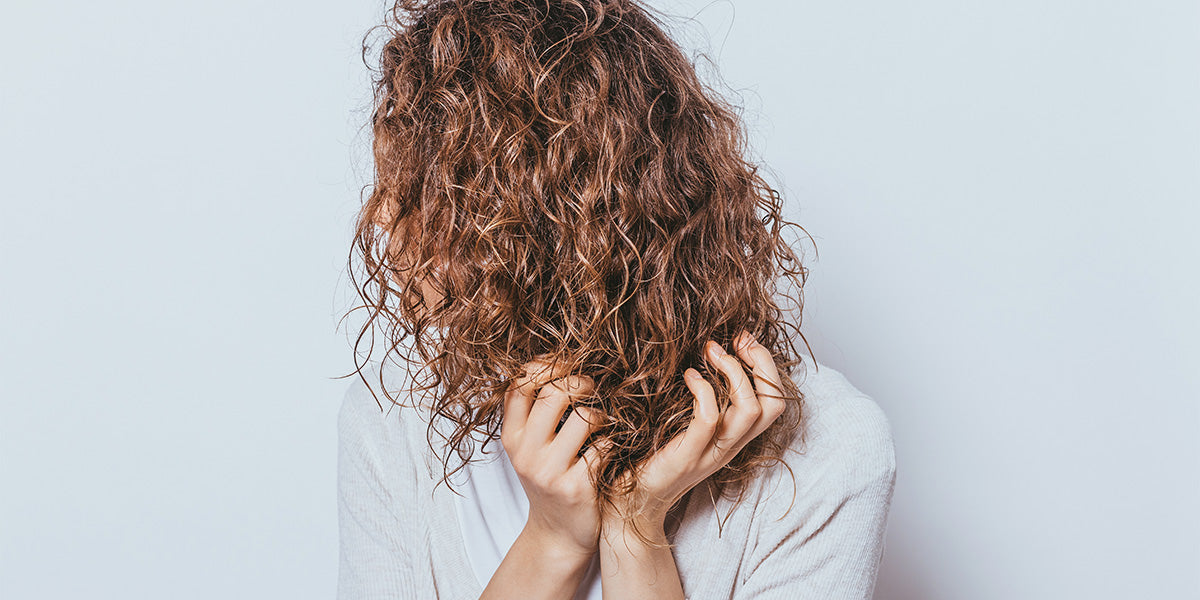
{"x": 400, "y": 536}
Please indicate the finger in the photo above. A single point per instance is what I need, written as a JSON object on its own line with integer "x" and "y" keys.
{"x": 691, "y": 450}
{"x": 767, "y": 382}
{"x": 519, "y": 398}
{"x": 552, "y": 401}
{"x": 590, "y": 462}
{"x": 762, "y": 366}
{"x": 744, "y": 410}
{"x": 564, "y": 450}
{"x": 705, "y": 416}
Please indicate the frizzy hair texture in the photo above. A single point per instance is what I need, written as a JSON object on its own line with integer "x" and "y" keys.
{"x": 558, "y": 173}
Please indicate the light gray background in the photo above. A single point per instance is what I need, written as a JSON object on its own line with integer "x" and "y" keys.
{"x": 1004, "y": 198}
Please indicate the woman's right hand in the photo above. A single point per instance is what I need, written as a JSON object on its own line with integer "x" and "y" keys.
{"x": 563, "y": 512}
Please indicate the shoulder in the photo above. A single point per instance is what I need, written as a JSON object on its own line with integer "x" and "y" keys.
{"x": 363, "y": 410}
{"x": 846, "y": 427}
{"x": 844, "y": 445}
{"x": 823, "y": 536}
{"x": 374, "y": 428}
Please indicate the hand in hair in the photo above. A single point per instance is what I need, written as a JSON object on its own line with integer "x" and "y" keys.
{"x": 632, "y": 567}
{"x": 712, "y": 439}
{"x": 562, "y": 499}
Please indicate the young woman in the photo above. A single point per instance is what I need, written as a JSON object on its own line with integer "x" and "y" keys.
{"x": 576, "y": 270}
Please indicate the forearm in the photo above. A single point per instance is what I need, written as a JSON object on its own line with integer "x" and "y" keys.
{"x": 535, "y": 569}
{"x": 633, "y": 570}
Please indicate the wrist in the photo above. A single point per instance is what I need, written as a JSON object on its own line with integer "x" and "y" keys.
{"x": 647, "y": 515}
{"x": 651, "y": 526}
{"x": 555, "y": 547}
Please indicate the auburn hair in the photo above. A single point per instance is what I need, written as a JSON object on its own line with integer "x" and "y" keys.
{"x": 557, "y": 171}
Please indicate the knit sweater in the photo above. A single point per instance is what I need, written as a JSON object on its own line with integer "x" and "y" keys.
{"x": 400, "y": 537}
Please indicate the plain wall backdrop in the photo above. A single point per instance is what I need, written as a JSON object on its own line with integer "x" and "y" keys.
{"x": 1004, "y": 199}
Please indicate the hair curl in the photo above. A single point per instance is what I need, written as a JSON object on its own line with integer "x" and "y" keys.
{"x": 557, "y": 171}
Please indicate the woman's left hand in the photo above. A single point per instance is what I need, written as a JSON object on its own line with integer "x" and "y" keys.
{"x": 711, "y": 439}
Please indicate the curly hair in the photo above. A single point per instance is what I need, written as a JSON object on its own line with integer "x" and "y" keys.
{"x": 560, "y": 175}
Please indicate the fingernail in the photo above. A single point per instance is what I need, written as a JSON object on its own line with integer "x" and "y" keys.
{"x": 717, "y": 348}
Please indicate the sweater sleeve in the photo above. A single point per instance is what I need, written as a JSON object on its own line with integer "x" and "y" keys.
{"x": 374, "y": 561}
{"x": 828, "y": 546}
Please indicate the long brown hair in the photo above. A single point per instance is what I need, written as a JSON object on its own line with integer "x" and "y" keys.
{"x": 558, "y": 172}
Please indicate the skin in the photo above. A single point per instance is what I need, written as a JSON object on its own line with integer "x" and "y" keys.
{"x": 632, "y": 569}
{"x": 565, "y": 527}
{"x": 552, "y": 553}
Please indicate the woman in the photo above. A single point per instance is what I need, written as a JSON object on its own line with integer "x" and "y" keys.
{"x": 569, "y": 255}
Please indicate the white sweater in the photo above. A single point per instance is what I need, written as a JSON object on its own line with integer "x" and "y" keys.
{"x": 400, "y": 535}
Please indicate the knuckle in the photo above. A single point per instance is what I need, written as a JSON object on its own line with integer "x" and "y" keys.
{"x": 580, "y": 383}
{"x": 542, "y": 478}
{"x": 563, "y": 487}
{"x": 556, "y": 484}
{"x": 707, "y": 421}
{"x": 591, "y": 416}
{"x": 552, "y": 393}
{"x": 775, "y": 408}
{"x": 512, "y": 392}
{"x": 753, "y": 414}
{"x": 754, "y": 407}
{"x": 775, "y": 402}
{"x": 530, "y": 371}
{"x": 734, "y": 364}
{"x": 557, "y": 387}
{"x": 762, "y": 356}
{"x": 595, "y": 421}
{"x": 725, "y": 363}
{"x": 581, "y": 489}
{"x": 538, "y": 370}
{"x": 511, "y": 442}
